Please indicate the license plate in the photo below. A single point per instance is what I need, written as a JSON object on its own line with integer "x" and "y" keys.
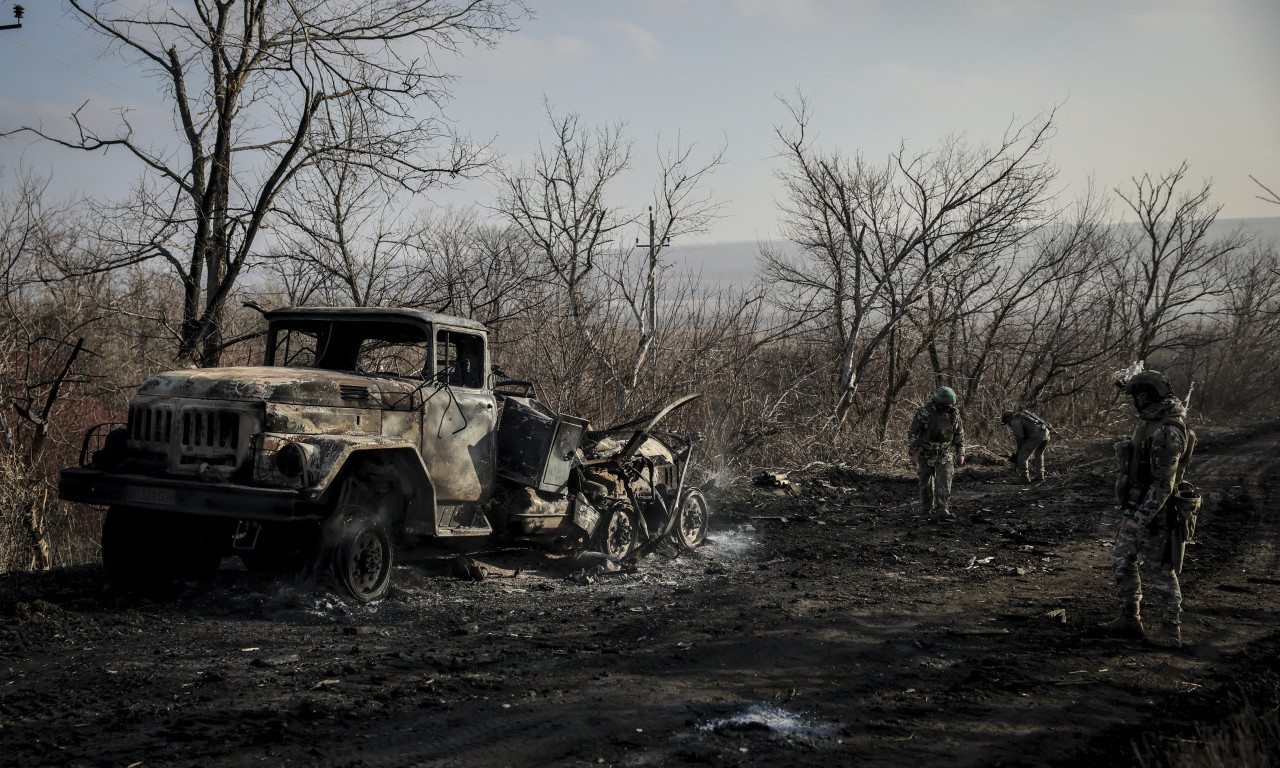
{"x": 161, "y": 496}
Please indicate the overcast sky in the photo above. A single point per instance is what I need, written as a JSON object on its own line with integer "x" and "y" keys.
{"x": 1140, "y": 86}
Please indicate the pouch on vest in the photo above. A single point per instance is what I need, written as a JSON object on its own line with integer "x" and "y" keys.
{"x": 1186, "y": 503}
{"x": 1183, "y": 508}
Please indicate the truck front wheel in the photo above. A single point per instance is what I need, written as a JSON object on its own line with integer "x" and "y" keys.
{"x": 363, "y": 556}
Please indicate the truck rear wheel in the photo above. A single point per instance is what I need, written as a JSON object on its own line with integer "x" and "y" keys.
{"x": 617, "y": 533}
{"x": 363, "y": 556}
{"x": 695, "y": 517}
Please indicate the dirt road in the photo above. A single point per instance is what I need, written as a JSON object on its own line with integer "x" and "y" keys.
{"x": 826, "y": 629}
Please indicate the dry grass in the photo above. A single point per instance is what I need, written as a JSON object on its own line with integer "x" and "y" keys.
{"x": 1248, "y": 739}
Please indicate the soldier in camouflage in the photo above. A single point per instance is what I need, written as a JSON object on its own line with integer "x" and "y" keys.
{"x": 935, "y": 441}
{"x": 1031, "y": 433}
{"x": 1154, "y": 461}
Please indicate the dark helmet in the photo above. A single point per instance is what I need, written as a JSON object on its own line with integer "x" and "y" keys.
{"x": 1154, "y": 382}
{"x": 1007, "y": 416}
{"x": 945, "y": 395}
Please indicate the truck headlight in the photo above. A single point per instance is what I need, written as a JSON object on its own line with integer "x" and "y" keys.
{"x": 294, "y": 459}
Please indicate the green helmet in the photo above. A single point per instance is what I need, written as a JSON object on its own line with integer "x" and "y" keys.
{"x": 1154, "y": 382}
{"x": 945, "y": 395}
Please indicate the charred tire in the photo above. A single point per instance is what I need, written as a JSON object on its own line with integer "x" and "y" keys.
{"x": 363, "y": 556}
{"x": 617, "y": 533}
{"x": 690, "y": 530}
{"x": 144, "y": 550}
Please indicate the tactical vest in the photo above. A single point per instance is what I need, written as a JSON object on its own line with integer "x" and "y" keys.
{"x": 942, "y": 426}
{"x": 1140, "y": 457}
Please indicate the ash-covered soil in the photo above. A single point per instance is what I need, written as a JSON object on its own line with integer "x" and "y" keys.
{"x": 828, "y": 626}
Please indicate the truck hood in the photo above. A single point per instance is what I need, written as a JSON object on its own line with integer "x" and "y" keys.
{"x": 295, "y": 386}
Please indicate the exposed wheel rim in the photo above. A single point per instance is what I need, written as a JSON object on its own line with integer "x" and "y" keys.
{"x": 694, "y": 518}
{"x": 620, "y": 535}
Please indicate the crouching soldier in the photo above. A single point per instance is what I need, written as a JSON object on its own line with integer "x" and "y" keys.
{"x": 1156, "y": 524}
{"x": 1031, "y": 433}
{"x": 935, "y": 441}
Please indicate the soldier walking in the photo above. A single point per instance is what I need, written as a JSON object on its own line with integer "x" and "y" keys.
{"x": 1031, "y": 433}
{"x": 935, "y": 441}
{"x": 1155, "y": 524}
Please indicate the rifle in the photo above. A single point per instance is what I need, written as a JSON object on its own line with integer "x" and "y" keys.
{"x": 1047, "y": 426}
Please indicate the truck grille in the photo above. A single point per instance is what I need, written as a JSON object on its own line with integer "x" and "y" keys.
{"x": 207, "y": 428}
{"x": 151, "y": 425}
{"x": 187, "y": 434}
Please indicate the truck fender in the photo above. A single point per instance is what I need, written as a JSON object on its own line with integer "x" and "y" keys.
{"x": 333, "y": 457}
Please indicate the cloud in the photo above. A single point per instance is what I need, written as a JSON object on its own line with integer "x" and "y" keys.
{"x": 522, "y": 59}
{"x": 798, "y": 13}
{"x": 639, "y": 40}
{"x": 994, "y": 10}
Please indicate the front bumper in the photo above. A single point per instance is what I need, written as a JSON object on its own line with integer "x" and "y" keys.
{"x": 227, "y": 500}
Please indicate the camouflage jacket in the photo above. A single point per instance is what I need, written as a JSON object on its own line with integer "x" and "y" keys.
{"x": 935, "y": 433}
{"x": 1160, "y": 453}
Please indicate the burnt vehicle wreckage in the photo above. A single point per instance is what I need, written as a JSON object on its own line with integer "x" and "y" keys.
{"x": 366, "y": 430}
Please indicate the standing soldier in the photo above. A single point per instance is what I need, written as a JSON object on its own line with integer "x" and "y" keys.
{"x": 936, "y": 444}
{"x": 1031, "y": 433}
{"x": 1154, "y": 529}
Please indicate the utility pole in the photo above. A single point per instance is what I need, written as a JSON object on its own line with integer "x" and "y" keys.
{"x": 651, "y": 272}
{"x": 17, "y": 14}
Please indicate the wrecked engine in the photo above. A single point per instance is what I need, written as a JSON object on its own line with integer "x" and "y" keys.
{"x": 619, "y": 491}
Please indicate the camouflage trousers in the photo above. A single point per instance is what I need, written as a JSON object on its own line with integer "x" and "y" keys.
{"x": 1028, "y": 463}
{"x": 1144, "y": 551}
{"x": 935, "y": 474}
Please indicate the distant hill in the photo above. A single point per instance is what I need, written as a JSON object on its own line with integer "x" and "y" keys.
{"x": 1266, "y": 228}
{"x": 735, "y": 261}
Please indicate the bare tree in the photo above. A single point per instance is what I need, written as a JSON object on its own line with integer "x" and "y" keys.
{"x": 560, "y": 202}
{"x": 342, "y": 225}
{"x": 1028, "y": 316}
{"x": 1240, "y": 372}
{"x": 866, "y": 232}
{"x": 465, "y": 266}
{"x": 682, "y": 208}
{"x": 1167, "y": 273}
{"x": 45, "y": 384}
{"x": 259, "y": 90}
{"x": 1270, "y": 196}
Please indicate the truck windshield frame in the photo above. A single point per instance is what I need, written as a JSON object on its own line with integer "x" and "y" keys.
{"x": 383, "y": 347}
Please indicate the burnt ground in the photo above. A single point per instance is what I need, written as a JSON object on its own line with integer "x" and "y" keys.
{"x": 824, "y": 629}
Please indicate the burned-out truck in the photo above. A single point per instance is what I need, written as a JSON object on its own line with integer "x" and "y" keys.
{"x": 365, "y": 430}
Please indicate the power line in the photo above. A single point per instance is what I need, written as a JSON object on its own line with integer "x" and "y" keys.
{"x": 71, "y": 31}
{"x": 68, "y": 64}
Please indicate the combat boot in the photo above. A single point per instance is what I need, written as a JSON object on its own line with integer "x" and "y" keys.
{"x": 1127, "y": 626}
{"x": 1167, "y": 636}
